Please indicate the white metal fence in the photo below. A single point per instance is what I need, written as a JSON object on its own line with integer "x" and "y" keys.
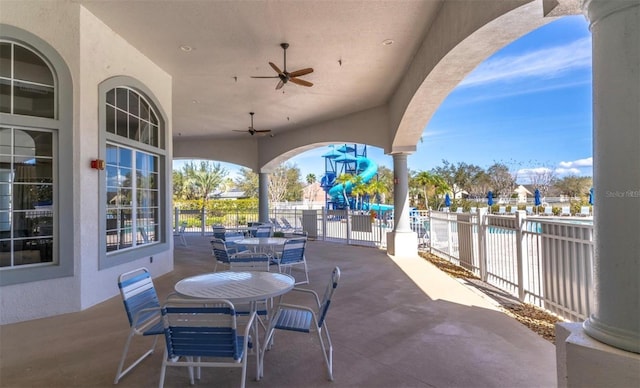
{"x": 547, "y": 262}
{"x": 544, "y": 261}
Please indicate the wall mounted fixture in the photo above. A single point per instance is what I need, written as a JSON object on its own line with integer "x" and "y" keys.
{"x": 98, "y": 164}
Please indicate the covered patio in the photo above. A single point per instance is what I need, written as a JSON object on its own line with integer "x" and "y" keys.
{"x": 393, "y": 322}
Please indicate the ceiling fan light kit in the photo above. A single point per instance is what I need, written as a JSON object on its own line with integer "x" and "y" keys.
{"x": 284, "y": 76}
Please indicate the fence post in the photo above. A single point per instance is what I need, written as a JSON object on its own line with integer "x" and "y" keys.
{"x": 449, "y": 235}
{"x": 202, "y": 220}
{"x": 482, "y": 242}
{"x": 348, "y": 217}
{"x": 324, "y": 223}
{"x": 521, "y": 215}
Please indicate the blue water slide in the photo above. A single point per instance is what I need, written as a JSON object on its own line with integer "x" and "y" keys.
{"x": 378, "y": 207}
{"x": 369, "y": 169}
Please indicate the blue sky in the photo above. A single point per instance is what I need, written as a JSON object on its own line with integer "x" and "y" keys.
{"x": 528, "y": 106}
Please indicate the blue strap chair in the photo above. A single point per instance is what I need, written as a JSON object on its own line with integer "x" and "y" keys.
{"x": 303, "y": 319}
{"x": 143, "y": 311}
{"x": 293, "y": 254}
{"x": 203, "y": 333}
{"x": 252, "y": 261}
{"x": 264, "y": 231}
{"x": 219, "y": 231}
{"x": 222, "y": 252}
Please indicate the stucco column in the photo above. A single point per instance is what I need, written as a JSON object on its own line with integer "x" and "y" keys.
{"x": 402, "y": 241}
{"x": 615, "y": 27}
{"x": 263, "y": 197}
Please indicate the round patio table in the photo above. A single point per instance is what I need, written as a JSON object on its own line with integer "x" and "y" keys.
{"x": 238, "y": 287}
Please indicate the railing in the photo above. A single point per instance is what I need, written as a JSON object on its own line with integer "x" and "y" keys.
{"x": 543, "y": 261}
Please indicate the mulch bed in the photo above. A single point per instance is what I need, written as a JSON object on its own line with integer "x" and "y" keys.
{"x": 536, "y": 319}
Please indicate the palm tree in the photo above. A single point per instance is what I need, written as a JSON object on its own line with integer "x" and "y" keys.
{"x": 436, "y": 183}
{"x": 206, "y": 179}
{"x": 377, "y": 187}
{"x": 358, "y": 188}
{"x": 311, "y": 178}
{"x": 344, "y": 179}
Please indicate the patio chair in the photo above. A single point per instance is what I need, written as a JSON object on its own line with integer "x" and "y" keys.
{"x": 203, "y": 333}
{"x": 252, "y": 261}
{"x": 513, "y": 209}
{"x": 293, "y": 254}
{"x": 303, "y": 319}
{"x": 548, "y": 211}
{"x": 179, "y": 232}
{"x": 565, "y": 211}
{"x": 585, "y": 211}
{"x": 529, "y": 210}
{"x": 264, "y": 231}
{"x": 502, "y": 210}
{"x": 219, "y": 231}
{"x": 276, "y": 225}
{"x": 221, "y": 252}
{"x": 459, "y": 210}
{"x": 288, "y": 225}
{"x": 143, "y": 312}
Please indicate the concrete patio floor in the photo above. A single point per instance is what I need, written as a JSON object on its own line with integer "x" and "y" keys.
{"x": 394, "y": 322}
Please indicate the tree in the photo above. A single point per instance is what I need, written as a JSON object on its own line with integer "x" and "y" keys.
{"x": 206, "y": 179}
{"x": 542, "y": 178}
{"x": 459, "y": 177}
{"x": 480, "y": 184}
{"x": 312, "y": 189}
{"x": 432, "y": 184}
{"x": 343, "y": 179}
{"x": 385, "y": 175}
{"x": 197, "y": 181}
{"x": 311, "y": 179}
{"x": 502, "y": 181}
{"x": 247, "y": 182}
{"x": 294, "y": 185}
{"x": 278, "y": 184}
{"x": 358, "y": 188}
{"x": 574, "y": 186}
{"x": 376, "y": 188}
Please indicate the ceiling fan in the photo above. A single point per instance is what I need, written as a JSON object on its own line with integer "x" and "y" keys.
{"x": 252, "y": 131}
{"x": 285, "y": 76}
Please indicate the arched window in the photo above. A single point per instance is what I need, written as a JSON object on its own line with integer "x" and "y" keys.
{"x": 28, "y": 183}
{"x": 134, "y": 196}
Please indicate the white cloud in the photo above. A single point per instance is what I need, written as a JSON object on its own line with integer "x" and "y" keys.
{"x": 568, "y": 171}
{"x": 533, "y": 171}
{"x": 586, "y": 162}
{"x": 543, "y": 63}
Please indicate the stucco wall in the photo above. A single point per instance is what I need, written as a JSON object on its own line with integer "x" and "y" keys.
{"x": 104, "y": 54}
{"x": 92, "y": 53}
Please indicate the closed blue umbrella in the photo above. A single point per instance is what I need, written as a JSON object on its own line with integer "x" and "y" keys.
{"x": 490, "y": 198}
{"x": 536, "y": 198}
{"x": 447, "y": 200}
{"x": 591, "y": 196}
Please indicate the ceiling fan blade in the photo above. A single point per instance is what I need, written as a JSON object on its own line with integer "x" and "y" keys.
{"x": 261, "y": 130}
{"x": 301, "y": 82}
{"x": 239, "y": 130}
{"x": 280, "y": 85}
{"x": 274, "y": 67}
{"x": 272, "y": 76}
{"x": 300, "y": 72}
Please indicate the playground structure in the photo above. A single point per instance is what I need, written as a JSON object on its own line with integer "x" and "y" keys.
{"x": 351, "y": 160}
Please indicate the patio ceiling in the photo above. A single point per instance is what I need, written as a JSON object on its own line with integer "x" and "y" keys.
{"x": 230, "y": 41}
